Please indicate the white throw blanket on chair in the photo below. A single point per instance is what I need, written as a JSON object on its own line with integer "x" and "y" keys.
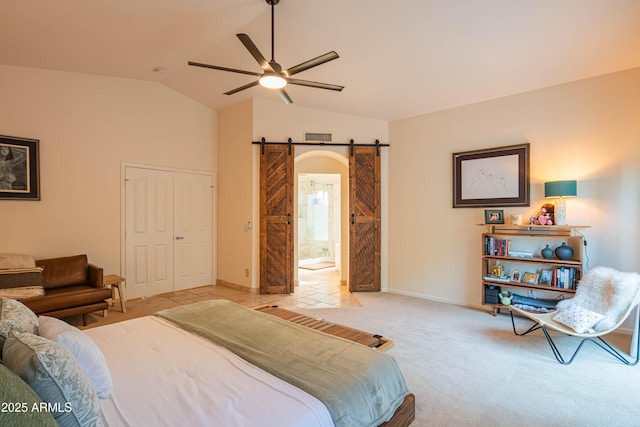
{"x": 605, "y": 291}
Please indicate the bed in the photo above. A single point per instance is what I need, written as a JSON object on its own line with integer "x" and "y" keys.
{"x": 205, "y": 364}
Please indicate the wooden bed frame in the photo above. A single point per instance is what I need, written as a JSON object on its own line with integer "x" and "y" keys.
{"x": 406, "y": 412}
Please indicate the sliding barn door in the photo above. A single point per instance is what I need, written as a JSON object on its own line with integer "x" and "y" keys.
{"x": 276, "y": 221}
{"x": 364, "y": 229}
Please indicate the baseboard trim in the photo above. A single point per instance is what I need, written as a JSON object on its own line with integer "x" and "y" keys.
{"x": 437, "y": 299}
{"x": 235, "y": 286}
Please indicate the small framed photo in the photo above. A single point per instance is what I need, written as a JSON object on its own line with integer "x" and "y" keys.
{"x": 545, "y": 277}
{"x": 530, "y": 278}
{"x": 494, "y": 216}
{"x": 515, "y": 276}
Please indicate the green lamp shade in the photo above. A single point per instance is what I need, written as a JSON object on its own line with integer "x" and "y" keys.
{"x": 560, "y": 189}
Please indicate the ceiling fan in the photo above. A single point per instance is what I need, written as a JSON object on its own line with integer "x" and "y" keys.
{"x": 273, "y": 77}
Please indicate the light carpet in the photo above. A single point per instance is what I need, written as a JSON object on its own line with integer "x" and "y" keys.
{"x": 467, "y": 368}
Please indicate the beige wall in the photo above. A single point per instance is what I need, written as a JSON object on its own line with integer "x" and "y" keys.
{"x": 235, "y": 195}
{"x": 587, "y": 130}
{"x": 87, "y": 126}
{"x": 277, "y": 121}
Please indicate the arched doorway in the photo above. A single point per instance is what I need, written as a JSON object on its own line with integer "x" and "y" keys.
{"x": 321, "y": 231}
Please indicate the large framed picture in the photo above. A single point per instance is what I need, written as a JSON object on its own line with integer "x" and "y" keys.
{"x": 491, "y": 177}
{"x": 19, "y": 169}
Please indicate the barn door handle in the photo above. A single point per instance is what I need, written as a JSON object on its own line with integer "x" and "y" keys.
{"x": 179, "y": 237}
{"x": 288, "y": 218}
{"x": 353, "y": 219}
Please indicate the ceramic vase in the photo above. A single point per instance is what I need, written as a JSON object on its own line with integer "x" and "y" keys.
{"x": 547, "y": 252}
{"x": 564, "y": 252}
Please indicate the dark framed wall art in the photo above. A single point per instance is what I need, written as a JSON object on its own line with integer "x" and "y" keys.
{"x": 19, "y": 168}
{"x": 491, "y": 177}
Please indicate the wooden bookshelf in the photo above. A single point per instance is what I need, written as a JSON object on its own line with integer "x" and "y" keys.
{"x": 517, "y": 248}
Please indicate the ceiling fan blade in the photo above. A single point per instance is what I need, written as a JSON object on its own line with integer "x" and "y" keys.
{"x": 329, "y": 56}
{"x": 215, "y": 67}
{"x": 238, "y": 89}
{"x": 285, "y": 97}
{"x": 253, "y": 50}
{"x": 315, "y": 84}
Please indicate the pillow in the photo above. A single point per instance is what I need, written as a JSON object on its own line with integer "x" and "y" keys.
{"x": 82, "y": 347}
{"x": 53, "y": 373}
{"x": 15, "y": 316}
{"x": 20, "y": 403}
{"x": 578, "y": 318}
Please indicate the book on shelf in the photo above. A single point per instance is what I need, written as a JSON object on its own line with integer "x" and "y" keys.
{"x": 564, "y": 278}
{"x": 496, "y": 247}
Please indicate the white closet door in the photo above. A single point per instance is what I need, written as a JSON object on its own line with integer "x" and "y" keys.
{"x": 193, "y": 264}
{"x": 149, "y": 232}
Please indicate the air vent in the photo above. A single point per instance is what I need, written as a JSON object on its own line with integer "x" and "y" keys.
{"x": 318, "y": 137}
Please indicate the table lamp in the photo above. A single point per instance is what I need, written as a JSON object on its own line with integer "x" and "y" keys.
{"x": 560, "y": 189}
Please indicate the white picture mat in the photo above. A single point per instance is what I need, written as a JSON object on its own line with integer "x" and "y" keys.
{"x": 490, "y": 178}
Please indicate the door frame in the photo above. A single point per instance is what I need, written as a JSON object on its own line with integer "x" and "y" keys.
{"x": 337, "y": 158}
{"x": 123, "y": 213}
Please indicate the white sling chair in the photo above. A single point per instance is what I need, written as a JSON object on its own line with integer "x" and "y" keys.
{"x": 604, "y": 299}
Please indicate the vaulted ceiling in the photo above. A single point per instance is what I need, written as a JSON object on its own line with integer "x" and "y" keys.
{"x": 397, "y": 58}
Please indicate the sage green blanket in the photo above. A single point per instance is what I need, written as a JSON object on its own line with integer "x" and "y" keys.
{"x": 360, "y": 386}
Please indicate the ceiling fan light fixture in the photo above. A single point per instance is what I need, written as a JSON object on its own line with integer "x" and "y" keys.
{"x": 273, "y": 76}
{"x": 272, "y": 80}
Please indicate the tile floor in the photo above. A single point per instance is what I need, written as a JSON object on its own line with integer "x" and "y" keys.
{"x": 316, "y": 289}
{"x": 322, "y": 289}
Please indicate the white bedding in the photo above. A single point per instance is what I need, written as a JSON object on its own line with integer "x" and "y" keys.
{"x": 164, "y": 376}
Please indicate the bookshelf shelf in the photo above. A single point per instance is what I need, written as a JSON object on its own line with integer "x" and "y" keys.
{"x": 551, "y": 277}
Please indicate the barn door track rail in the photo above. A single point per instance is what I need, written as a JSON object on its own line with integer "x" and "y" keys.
{"x": 351, "y": 144}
